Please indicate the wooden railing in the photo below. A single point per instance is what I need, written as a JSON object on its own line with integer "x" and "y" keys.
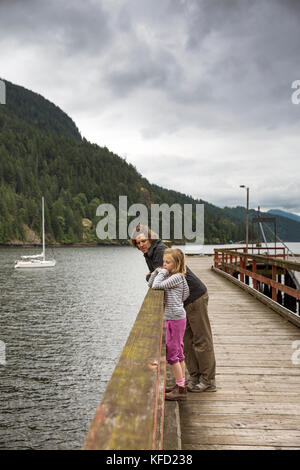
{"x": 234, "y": 262}
{"x": 272, "y": 251}
{"x": 131, "y": 412}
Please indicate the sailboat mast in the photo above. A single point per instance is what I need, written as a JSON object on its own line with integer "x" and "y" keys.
{"x": 43, "y": 224}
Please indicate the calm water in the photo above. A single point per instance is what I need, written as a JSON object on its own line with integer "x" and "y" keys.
{"x": 64, "y": 329}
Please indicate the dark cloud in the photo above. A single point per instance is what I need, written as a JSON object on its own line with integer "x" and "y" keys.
{"x": 73, "y": 27}
{"x": 141, "y": 68}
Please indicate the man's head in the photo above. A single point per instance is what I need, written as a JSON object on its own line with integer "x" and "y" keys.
{"x": 143, "y": 237}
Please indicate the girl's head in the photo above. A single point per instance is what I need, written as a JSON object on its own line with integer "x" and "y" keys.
{"x": 174, "y": 261}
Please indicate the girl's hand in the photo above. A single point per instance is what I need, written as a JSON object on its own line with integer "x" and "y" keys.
{"x": 158, "y": 269}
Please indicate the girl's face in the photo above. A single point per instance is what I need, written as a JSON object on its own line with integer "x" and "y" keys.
{"x": 169, "y": 263}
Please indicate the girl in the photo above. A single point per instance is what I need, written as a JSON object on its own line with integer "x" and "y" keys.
{"x": 172, "y": 280}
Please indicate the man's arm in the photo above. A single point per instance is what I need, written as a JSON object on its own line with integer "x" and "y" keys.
{"x": 158, "y": 256}
{"x": 186, "y": 290}
{"x": 157, "y": 259}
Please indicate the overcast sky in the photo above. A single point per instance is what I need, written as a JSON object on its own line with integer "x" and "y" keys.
{"x": 195, "y": 93}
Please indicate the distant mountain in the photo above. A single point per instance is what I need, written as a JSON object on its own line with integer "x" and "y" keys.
{"x": 286, "y": 229}
{"x": 43, "y": 154}
{"x": 289, "y": 215}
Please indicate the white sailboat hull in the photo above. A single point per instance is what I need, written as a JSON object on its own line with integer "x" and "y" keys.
{"x": 37, "y": 261}
{"x": 32, "y": 263}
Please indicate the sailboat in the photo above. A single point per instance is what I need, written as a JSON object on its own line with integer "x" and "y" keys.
{"x": 37, "y": 261}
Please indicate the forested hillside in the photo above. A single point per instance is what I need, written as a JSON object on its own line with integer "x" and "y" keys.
{"x": 43, "y": 154}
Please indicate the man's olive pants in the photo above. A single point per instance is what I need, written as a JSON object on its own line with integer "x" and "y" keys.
{"x": 198, "y": 342}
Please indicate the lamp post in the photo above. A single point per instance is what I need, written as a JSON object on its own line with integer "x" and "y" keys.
{"x": 247, "y": 212}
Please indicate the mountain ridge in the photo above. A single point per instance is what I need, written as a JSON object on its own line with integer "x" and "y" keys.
{"x": 37, "y": 111}
{"x": 288, "y": 215}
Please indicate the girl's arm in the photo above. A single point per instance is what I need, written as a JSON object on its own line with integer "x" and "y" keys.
{"x": 152, "y": 277}
{"x": 161, "y": 283}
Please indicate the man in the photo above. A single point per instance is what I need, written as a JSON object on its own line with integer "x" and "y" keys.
{"x": 198, "y": 341}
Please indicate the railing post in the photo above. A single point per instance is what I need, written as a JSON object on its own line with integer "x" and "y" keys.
{"x": 245, "y": 265}
{"x": 217, "y": 259}
{"x": 242, "y": 267}
{"x": 274, "y": 291}
{"x": 231, "y": 269}
{"x": 254, "y": 272}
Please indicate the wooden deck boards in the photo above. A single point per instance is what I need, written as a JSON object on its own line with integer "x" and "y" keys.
{"x": 257, "y": 403}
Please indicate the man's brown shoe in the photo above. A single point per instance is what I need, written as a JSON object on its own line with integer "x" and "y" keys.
{"x": 170, "y": 388}
{"x": 179, "y": 393}
{"x": 201, "y": 387}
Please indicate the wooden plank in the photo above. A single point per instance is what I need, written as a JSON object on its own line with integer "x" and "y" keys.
{"x": 250, "y": 349}
{"x": 245, "y": 370}
{"x": 271, "y": 388}
{"x": 202, "y": 421}
{"x": 224, "y": 396}
{"x": 252, "y": 437}
{"x": 254, "y": 340}
{"x": 262, "y": 380}
{"x": 223, "y": 408}
{"x": 236, "y": 447}
{"x": 248, "y": 361}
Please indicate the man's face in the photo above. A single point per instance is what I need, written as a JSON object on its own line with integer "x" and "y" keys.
{"x": 143, "y": 243}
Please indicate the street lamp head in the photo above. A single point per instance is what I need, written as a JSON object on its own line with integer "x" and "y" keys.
{"x": 242, "y": 186}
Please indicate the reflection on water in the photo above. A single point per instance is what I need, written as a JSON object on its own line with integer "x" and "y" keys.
{"x": 64, "y": 329}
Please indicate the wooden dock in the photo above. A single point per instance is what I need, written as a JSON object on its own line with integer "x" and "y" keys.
{"x": 257, "y": 403}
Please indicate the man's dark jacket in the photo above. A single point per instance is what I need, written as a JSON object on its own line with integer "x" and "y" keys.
{"x": 154, "y": 259}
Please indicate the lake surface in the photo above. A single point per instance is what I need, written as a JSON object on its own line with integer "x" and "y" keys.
{"x": 64, "y": 329}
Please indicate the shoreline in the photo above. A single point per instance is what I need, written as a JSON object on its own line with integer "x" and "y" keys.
{"x": 114, "y": 244}
{"x": 59, "y": 245}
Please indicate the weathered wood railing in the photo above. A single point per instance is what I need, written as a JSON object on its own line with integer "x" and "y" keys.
{"x": 244, "y": 264}
{"x": 131, "y": 412}
{"x": 274, "y": 251}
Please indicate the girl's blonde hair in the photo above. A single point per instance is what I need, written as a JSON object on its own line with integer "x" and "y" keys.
{"x": 179, "y": 260}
